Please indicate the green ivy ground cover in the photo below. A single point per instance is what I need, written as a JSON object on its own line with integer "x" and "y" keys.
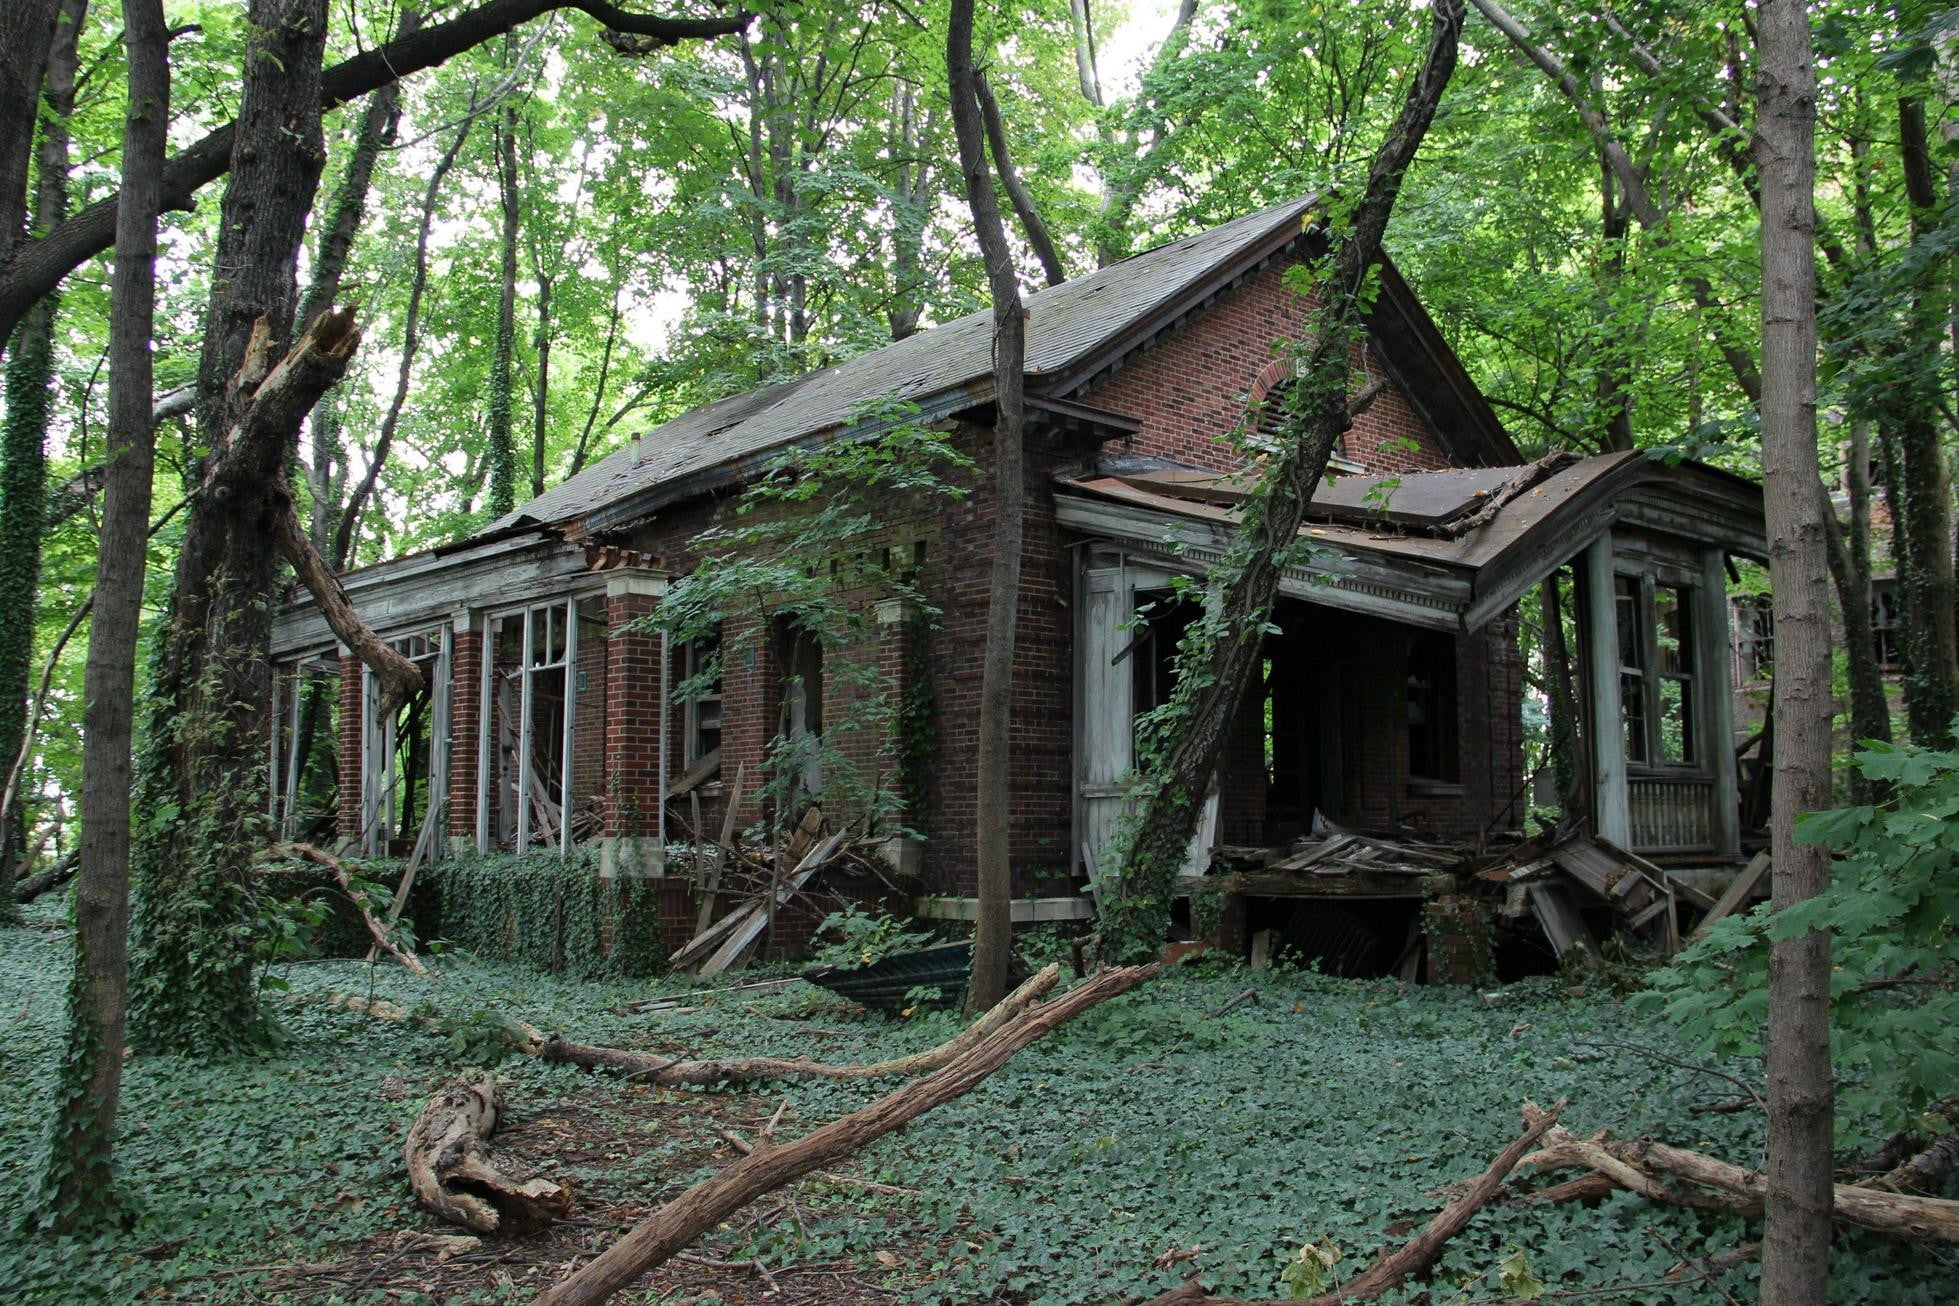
{"x": 1324, "y": 1111}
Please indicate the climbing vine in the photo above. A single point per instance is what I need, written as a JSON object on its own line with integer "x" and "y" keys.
{"x": 557, "y": 914}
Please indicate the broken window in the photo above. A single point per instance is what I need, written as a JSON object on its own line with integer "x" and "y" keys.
{"x": 799, "y": 745}
{"x": 1658, "y": 664}
{"x": 303, "y": 790}
{"x": 545, "y": 685}
{"x": 699, "y": 693}
{"x": 1430, "y": 706}
{"x": 1887, "y": 625}
{"x": 403, "y": 770}
{"x": 1754, "y": 628}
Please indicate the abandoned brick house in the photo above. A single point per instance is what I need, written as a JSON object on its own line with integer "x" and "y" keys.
{"x": 1394, "y": 686}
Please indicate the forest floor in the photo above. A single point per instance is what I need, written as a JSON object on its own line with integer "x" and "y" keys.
{"x": 1087, "y": 1171}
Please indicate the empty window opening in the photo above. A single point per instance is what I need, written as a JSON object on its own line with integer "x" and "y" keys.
{"x": 304, "y": 770}
{"x": 545, "y": 684}
{"x": 403, "y": 774}
{"x": 1429, "y": 702}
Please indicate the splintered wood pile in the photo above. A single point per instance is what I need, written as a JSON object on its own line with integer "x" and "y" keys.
{"x": 760, "y": 883}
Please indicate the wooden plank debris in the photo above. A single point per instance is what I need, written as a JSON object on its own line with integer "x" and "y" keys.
{"x": 1738, "y": 892}
{"x": 754, "y": 917}
{"x": 1561, "y": 921}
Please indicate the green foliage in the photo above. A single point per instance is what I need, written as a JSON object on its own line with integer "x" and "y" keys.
{"x": 807, "y": 552}
{"x": 1310, "y": 1273}
{"x": 1325, "y": 1111}
{"x": 557, "y": 914}
{"x": 1893, "y": 913}
{"x": 854, "y": 938}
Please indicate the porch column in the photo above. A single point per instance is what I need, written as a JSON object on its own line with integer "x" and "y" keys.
{"x": 634, "y": 837}
{"x": 1611, "y": 816}
{"x": 1716, "y": 671}
{"x": 465, "y": 723}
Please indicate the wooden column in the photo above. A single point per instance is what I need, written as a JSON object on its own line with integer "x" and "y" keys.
{"x": 1717, "y": 716}
{"x": 1611, "y": 818}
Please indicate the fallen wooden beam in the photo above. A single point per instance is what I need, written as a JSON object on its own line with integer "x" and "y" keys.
{"x": 455, "y": 1175}
{"x": 1737, "y": 894}
{"x": 707, "y": 1203}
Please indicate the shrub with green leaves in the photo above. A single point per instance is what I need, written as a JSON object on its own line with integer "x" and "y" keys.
{"x": 1892, "y": 908}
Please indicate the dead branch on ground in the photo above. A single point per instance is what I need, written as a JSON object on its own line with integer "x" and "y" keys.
{"x": 1644, "y": 1167}
{"x": 680, "y": 1221}
{"x": 455, "y": 1175}
{"x": 1392, "y": 1267}
{"x": 674, "y": 1071}
{"x": 306, "y": 852}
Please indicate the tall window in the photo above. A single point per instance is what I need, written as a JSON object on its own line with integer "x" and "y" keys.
{"x": 699, "y": 693}
{"x": 1657, "y": 667}
{"x": 544, "y": 727}
{"x": 1430, "y": 707}
{"x": 1754, "y": 626}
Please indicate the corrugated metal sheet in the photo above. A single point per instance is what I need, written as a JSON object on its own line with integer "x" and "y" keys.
{"x": 1066, "y": 324}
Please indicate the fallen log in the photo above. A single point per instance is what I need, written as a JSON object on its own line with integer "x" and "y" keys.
{"x": 1393, "y": 1267}
{"x": 455, "y": 1175}
{"x": 1638, "y": 1166}
{"x": 707, "y": 1203}
{"x": 674, "y": 1072}
{"x": 306, "y": 852}
{"x": 33, "y": 886}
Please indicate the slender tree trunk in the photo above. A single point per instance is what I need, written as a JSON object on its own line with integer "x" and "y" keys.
{"x": 23, "y": 439}
{"x": 78, "y": 1180}
{"x": 502, "y": 449}
{"x": 411, "y": 340}
{"x": 1614, "y": 398}
{"x": 26, "y": 35}
{"x": 993, "y": 943}
{"x": 1921, "y": 494}
{"x": 1017, "y": 192}
{"x": 1220, "y": 662}
{"x": 541, "y": 396}
{"x": 1796, "y": 1241}
{"x": 1565, "y": 752}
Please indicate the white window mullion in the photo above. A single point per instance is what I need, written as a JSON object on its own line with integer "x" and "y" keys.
{"x": 486, "y": 710}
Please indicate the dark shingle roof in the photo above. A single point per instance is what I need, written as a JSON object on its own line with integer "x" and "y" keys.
{"x": 1067, "y": 325}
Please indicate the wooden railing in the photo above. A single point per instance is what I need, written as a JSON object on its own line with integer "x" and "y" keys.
{"x": 1671, "y": 814}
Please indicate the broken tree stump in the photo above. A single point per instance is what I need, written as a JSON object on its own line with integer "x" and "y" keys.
{"x": 455, "y": 1175}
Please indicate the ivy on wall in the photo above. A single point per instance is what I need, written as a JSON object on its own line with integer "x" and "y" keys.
{"x": 550, "y": 912}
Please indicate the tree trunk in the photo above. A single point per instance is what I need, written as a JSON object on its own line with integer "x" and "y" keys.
{"x": 26, "y": 35}
{"x": 212, "y": 672}
{"x": 1796, "y": 1242}
{"x": 1220, "y": 659}
{"x": 1921, "y": 493}
{"x": 23, "y": 439}
{"x": 1017, "y": 192}
{"x": 79, "y": 1182}
{"x": 501, "y": 449}
{"x": 993, "y": 939}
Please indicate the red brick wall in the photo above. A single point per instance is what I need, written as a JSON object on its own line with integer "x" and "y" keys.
{"x": 633, "y": 712}
{"x": 465, "y": 718}
{"x": 1192, "y": 387}
{"x": 348, "y": 818}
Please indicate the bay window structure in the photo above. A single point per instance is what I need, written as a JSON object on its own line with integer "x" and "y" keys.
{"x": 542, "y": 740}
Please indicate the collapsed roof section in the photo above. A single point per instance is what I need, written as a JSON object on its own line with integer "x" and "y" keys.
{"x": 1446, "y": 550}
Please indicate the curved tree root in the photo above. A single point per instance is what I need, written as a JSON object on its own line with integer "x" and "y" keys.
{"x": 455, "y": 1175}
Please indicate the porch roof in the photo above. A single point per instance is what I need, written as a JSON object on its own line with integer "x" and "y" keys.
{"x": 1448, "y": 550}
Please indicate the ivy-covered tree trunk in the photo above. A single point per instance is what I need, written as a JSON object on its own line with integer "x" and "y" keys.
{"x": 502, "y": 451}
{"x": 1797, "y": 1229}
{"x": 1219, "y": 659}
{"x": 23, "y": 441}
{"x": 993, "y": 942}
{"x": 203, "y": 784}
{"x": 77, "y": 1183}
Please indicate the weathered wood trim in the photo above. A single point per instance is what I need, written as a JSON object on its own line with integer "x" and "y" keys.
{"x": 1026, "y": 911}
{"x": 1611, "y": 816}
